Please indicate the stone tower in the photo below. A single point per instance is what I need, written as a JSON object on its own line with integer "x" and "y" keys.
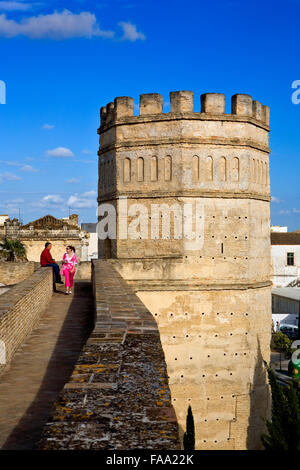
{"x": 210, "y": 296}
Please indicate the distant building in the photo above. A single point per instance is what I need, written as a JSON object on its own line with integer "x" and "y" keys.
{"x": 60, "y": 232}
{"x": 285, "y": 306}
{"x": 91, "y": 228}
{"x": 278, "y": 228}
{"x": 286, "y": 258}
{"x": 3, "y": 218}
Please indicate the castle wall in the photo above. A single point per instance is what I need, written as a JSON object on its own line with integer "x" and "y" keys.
{"x": 211, "y": 296}
{"x": 35, "y": 247}
{"x": 20, "y": 310}
{"x": 12, "y": 273}
{"x": 60, "y": 232}
{"x": 214, "y": 342}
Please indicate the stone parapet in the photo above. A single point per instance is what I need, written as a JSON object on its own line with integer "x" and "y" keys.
{"x": 12, "y": 273}
{"x": 84, "y": 270}
{"x": 181, "y": 102}
{"x": 20, "y": 310}
{"x": 118, "y": 395}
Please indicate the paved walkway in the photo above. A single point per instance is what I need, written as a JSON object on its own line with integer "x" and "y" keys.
{"x": 42, "y": 366}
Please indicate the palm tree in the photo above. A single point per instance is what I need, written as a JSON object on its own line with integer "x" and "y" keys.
{"x": 13, "y": 249}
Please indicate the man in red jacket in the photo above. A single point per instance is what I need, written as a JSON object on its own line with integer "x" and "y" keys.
{"x": 47, "y": 260}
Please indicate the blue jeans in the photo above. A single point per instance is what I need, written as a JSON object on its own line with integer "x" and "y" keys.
{"x": 56, "y": 271}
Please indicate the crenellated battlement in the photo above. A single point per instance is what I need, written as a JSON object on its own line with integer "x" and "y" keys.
{"x": 182, "y": 102}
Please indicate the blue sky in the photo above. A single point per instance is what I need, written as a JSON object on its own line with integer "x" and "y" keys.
{"x": 61, "y": 61}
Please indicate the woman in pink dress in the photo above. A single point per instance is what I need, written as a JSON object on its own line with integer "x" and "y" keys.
{"x": 69, "y": 267}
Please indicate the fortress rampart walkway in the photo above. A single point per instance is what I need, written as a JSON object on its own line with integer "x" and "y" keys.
{"x": 42, "y": 365}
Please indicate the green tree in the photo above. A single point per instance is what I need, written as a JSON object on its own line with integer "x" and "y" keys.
{"x": 13, "y": 249}
{"x": 283, "y": 344}
{"x": 189, "y": 435}
{"x": 284, "y": 427}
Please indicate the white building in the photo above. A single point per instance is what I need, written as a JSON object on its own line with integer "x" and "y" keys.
{"x": 285, "y": 306}
{"x": 278, "y": 228}
{"x": 3, "y": 218}
{"x": 91, "y": 228}
{"x": 286, "y": 258}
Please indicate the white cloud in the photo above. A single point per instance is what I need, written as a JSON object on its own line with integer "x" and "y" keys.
{"x": 49, "y": 201}
{"x": 89, "y": 194}
{"x": 60, "y": 152}
{"x": 9, "y": 176}
{"x": 29, "y": 169}
{"x": 54, "y": 26}
{"x": 284, "y": 212}
{"x": 73, "y": 181}
{"x": 85, "y": 200}
{"x": 15, "y": 6}
{"x": 276, "y": 200}
{"x": 53, "y": 199}
{"x": 296, "y": 211}
{"x": 12, "y": 163}
{"x": 86, "y": 151}
{"x": 48, "y": 127}
{"x": 130, "y": 32}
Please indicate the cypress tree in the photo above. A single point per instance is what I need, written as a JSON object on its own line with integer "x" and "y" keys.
{"x": 189, "y": 435}
{"x": 284, "y": 427}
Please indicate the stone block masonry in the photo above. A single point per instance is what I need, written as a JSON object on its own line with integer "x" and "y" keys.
{"x": 118, "y": 395}
{"x": 84, "y": 270}
{"x": 20, "y": 310}
{"x": 12, "y": 273}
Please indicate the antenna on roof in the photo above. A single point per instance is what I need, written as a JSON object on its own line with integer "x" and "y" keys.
{"x": 20, "y": 218}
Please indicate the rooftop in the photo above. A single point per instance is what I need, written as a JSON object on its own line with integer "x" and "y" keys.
{"x": 288, "y": 292}
{"x": 285, "y": 238}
